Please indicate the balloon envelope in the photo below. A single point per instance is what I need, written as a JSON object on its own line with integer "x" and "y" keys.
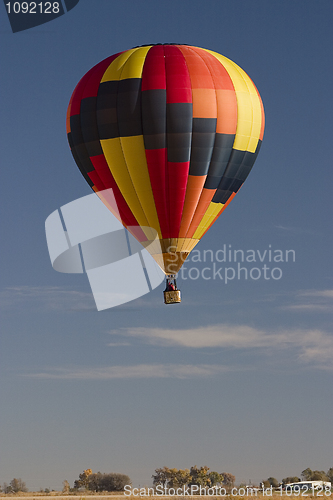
{"x": 174, "y": 131}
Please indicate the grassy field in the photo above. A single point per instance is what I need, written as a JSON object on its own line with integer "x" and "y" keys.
{"x": 117, "y": 495}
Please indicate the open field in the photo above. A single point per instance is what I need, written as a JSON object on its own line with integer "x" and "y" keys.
{"x": 60, "y": 496}
{"x": 116, "y": 495}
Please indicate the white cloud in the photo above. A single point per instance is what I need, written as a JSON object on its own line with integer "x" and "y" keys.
{"x": 210, "y": 336}
{"x": 310, "y": 345}
{"x": 296, "y": 230}
{"x": 308, "y": 307}
{"x": 50, "y": 297}
{"x": 118, "y": 344}
{"x": 135, "y": 371}
{"x": 311, "y": 348}
{"x": 58, "y": 298}
{"x": 317, "y": 293}
{"x": 311, "y": 301}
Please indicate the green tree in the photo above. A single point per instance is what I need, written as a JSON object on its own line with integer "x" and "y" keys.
{"x": 314, "y": 475}
{"x": 200, "y": 476}
{"x": 94, "y": 481}
{"x": 182, "y": 477}
{"x": 65, "y": 486}
{"x": 115, "y": 481}
{"x": 329, "y": 474}
{"x": 319, "y": 475}
{"x": 162, "y": 475}
{"x": 196, "y": 476}
{"x": 107, "y": 482}
{"x": 83, "y": 480}
{"x": 17, "y": 485}
{"x": 174, "y": 478}
{"x": 215, "y": 478}
{"x": 228, "y": 479}
{"x": 307, "y": 474}
{"x": 290, "y": 479}
{"x": 273, "y": 482}
{"x": 6, "y": 488}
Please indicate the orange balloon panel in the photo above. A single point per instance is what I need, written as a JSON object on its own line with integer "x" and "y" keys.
{"x": 174, "y": 130}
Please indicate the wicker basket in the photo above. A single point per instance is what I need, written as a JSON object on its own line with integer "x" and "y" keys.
{"x": 172, "y": 297}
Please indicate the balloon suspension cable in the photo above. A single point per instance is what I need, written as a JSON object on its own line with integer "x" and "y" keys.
{"x": 170, "y": 282}
{"x": 171, "y": 292}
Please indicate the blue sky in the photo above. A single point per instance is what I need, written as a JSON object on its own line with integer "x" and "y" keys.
{"x": 239, "y": 376}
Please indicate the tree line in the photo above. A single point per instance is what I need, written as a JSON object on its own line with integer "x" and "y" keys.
{"x": 195, "y": 476}
{"x": 173, "y": 478}
{"x": 88, "y": 480}
{"x": 98, "y": 481}
{"x": 15, "y": 486}
{"x": 306, "y": 475}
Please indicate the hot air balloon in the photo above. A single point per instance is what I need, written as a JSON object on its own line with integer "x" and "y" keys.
{"x": 174, "y": 131}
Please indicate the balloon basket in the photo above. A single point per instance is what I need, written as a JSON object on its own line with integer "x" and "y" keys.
{"x": 172, "y": 297}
